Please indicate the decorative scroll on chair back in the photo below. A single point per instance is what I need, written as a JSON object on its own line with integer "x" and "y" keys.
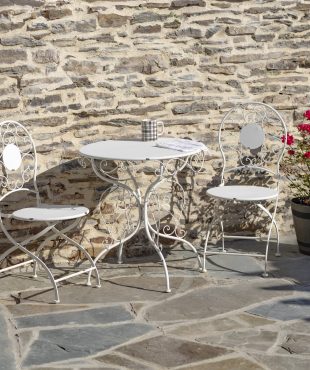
{"x": 18, "y": 159}
{"x": 250, "y": 139}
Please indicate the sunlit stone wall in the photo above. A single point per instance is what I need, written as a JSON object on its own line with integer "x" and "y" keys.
{"x": 76, "y": 71}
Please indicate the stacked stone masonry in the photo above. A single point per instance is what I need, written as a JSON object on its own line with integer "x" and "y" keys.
{"x": 76, "y": 71}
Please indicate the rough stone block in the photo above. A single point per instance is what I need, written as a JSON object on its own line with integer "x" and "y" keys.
{"x": 55, "y": 13}
{"x": 7, "y": 25}
{"x": 38, "y": 24}
{"x": 10, "y": 56}
{"x": 147, "y": 64}
{"x": 9, "y": 103}
{"x": 82, "y": 67}
{"x": 282, "y": 65}
{"x": 50, "y": 121}
{"x": 112, "y": 20}
{"x": 21, "y": 40}
{"x": 177, "y": 4}
{"x": 147, "y": 17}
{"x": 38, "y": 101}
{"x": 148, "y": 29}
{"x": 240, "y": 30}
{"x": 33, "y": 3}
{"x": 46, "y": 56}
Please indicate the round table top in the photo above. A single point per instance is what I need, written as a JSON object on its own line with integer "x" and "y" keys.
{"x": 135, "y": 150}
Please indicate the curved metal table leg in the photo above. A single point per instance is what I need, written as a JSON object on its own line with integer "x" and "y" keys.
{"x": 149, "y": 230}
{"x": 108, "y": 177}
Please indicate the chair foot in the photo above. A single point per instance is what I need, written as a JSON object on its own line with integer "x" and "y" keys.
{"x": 278, "y": 254}
{"x": 56, "y": 301}
{"x": 203, "y": 270}
{"x": 265, "y": 274}
{"x": 168, "y": 290}
{"x": 35, "y": 276}
{"x": 98, "y": 285}
{"x": 88, "y": 283}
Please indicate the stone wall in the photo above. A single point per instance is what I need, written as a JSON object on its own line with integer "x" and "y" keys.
{"x": 75, "y": 71}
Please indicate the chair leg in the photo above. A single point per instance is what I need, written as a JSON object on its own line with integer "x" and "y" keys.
{"x": 278, "y": 253}
{"x": 120, "y": 253}
{"x": 272, "y": 222}
{"x": 206, "y": 245}
{"x": 222, "y": 234}
{"x": 215, "y": 218}
{"x": 41, "y": 246}
{"x": 48, "y": 271}
{"x": 91, "y": 261}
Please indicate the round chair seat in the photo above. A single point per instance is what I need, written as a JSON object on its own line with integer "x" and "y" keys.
{"x": 243, "y": 192}
{"x": 46, "y": 212}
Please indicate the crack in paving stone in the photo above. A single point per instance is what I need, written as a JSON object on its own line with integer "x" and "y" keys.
{"x": 7, "y": 358}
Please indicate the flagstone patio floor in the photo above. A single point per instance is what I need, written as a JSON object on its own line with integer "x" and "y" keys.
{"x": 229, "y": 318}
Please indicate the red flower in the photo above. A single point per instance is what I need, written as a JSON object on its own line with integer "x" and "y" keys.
{"x": 307, "y": 155}
{"x": 307, "y": 114}
{"x": 289, "y": 139}
{"x": 291, "y": 152}
{"x": 304, "y": 127}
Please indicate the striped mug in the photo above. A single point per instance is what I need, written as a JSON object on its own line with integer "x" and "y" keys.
{"x": 150, "y": 129}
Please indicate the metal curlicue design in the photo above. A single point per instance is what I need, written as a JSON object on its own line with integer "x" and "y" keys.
{"x": 261, "y": 120}
{"x": 126, "y": 207}
{"x": 11, "y": 133}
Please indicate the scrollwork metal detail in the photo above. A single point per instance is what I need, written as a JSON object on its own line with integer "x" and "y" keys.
{"x": 234, "y": 151}
{"x": 13, "y": 133}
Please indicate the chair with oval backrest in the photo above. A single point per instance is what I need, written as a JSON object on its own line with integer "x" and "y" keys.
{"x": 252, "y": 138}
{"x": 18, "y": 173}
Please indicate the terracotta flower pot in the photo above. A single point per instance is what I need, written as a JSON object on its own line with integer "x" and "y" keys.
{"x": 301, "y": 218}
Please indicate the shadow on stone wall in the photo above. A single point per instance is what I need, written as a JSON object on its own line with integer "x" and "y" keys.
{"x": 70, "y": 183}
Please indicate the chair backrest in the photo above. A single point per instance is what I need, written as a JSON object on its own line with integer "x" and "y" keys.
{"x": 18, "y": 159}
{"x": 252, "y": 136}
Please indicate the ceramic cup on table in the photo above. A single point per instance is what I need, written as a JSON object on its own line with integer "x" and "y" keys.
{"x": 151, "y": 129}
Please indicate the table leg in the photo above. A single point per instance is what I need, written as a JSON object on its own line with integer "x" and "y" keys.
{"x": 149, "y": 231}
{"x": 134, "y": 192}
{"x": 120, "y": 253}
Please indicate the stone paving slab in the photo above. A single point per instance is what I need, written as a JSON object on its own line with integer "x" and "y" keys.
{"x": 221, "y": 320}
{"x": 233, "y": 322}
{"x": 298, "y": 344}
{"x": 285, "y": 309}
{"x": 170, "y": 352}
{"x": 7, "y": 358}
{"x": 274, "y": 362}
{"x": 117, "y": 359}
{"x": 227, "y": 267}
{"x": 31, "y": 309}
{"x": 68, "y": 343}
{"x": 142, "y": 288}
{"x": 210, "y": 301}
{"x": 238, "y": 363}
{"x": 260, "y": 340}
{"x": 95, "y": 316}
{"x": 296, "y": 269}
{"x": 12, "y": 284}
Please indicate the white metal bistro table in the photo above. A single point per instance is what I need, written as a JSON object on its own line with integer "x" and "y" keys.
{"x": 167, "y": 162}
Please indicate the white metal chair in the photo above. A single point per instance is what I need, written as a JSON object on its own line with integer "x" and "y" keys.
{"x": 18, "y": 169}
{"x": 251, "y": 140}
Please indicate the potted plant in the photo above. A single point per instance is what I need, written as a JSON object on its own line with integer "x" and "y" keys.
{"x": 297, "y": 169}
